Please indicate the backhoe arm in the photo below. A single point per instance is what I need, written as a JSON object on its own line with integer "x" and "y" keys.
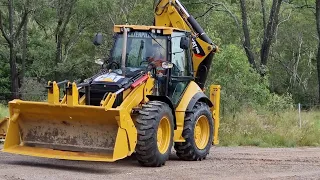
{"x": 171, "y": 13}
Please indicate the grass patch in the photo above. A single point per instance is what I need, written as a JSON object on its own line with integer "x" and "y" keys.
{"x": 3, "y": 111}
{"x": 270, "y": 130}
{"x": 262, "y": 129}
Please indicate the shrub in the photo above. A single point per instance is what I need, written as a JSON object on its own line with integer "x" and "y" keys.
{"x": 3, "y": 111}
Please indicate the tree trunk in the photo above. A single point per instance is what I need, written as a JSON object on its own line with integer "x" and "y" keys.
{"x": 59, "y": 48}
{"x": 64, "y": 13}
{"x": 13, "y": 73}
{"x": 263, "y": 10}
{"x": 13, "y": 67}
{"x": 269, "y": 31}
{"x": 24, "y": 49}
{"x": 318, "y": 55}
{"x": 246, "y": 43}
{"x": 11, "y": 37}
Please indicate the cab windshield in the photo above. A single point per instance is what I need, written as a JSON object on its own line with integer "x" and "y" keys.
{"x": 140, "y": 49}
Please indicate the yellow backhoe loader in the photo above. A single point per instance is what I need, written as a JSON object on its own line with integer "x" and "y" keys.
{"x": 147, "y": 100}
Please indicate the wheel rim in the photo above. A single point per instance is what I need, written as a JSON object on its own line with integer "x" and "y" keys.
{"x": 163, "y": 135}
{"x": 201, "y": 132}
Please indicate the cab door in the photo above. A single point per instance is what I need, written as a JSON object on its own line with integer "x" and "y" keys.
{"x": 182, "y": 70}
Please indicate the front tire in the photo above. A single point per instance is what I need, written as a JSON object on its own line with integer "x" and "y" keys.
{"x": 155, "y": 134}
{"x": 198, "y": 133}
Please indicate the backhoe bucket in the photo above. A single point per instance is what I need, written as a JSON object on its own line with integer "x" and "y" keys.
{"x": 62, "y": 131}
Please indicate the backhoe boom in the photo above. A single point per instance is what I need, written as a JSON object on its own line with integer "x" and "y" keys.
{"x": 171, "y": 13}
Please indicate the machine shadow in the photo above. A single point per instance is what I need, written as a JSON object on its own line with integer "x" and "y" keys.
{"x": 75, "y": 166}
{"x": 81, "y": 166}
{"x": 60, "y": 166}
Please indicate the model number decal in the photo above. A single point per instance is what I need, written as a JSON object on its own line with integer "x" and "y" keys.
{"x": 197, "y": 49}
{"x": 141, "y": 35}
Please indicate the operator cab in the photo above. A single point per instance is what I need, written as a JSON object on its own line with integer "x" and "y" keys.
{"x": 163, "y": 51}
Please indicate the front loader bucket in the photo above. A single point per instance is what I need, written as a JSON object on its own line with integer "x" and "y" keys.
{"x": 60, "y": 131}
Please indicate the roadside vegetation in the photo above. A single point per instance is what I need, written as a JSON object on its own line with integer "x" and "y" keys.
{"x": 3, "y": 111}
{"x": 265, "y": 129}
{"x": 252, "y": 115}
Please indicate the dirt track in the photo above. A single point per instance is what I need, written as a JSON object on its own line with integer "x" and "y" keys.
{"x": 222, "y": 163}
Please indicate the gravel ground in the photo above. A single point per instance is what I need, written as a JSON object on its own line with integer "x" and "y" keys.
{"x": 222, "y": 163}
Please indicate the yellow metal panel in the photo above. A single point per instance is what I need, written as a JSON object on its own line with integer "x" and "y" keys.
{"x": 180, "y": 123}
{"x": 215, "y": 98}
{"x": 121, "y": 146}
{"x": 116, "y": 29}
{"x": 161, "y": 17}
{"x": 56, "y": 154}
{"x": 166, "y": 15}
{"x": 109, "y": 101}
{"x": 131, "y": 132}
{"x": 176, "y": 20}
{"x": 13, "y": 134}
{"x": 64, "y": 100}
{"x": 166, "y": 30}
{"x": 15, "y": 117}
{"x": 191, "y": 90}
{"x": 133, "y": 100}
{"x": 126, "y": 93}
{"x": 207, "y": 48}
{"x": 105, "y": 101}
{"x": 148, "y": 88}
{"x": 72, "y": 95}
{"x": 82, "y": 100}
{"x": 53, "y": 93}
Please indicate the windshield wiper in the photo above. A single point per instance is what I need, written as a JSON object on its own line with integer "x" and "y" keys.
{"x": 155, "y": 40}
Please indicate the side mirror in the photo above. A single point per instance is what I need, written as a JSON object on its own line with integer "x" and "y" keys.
{"x": 98, "y": 39}
{"x": 167, "y": 65}
{"x": 184, "y": 43}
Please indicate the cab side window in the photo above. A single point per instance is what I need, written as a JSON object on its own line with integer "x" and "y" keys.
{"x": 179, "y": 56}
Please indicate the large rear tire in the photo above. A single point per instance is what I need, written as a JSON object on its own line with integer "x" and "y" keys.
{"x": 198, "y": 133}
{"x": 155, "y": 134}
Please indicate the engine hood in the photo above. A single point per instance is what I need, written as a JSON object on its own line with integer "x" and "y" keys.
{"x": 109, "y": 77}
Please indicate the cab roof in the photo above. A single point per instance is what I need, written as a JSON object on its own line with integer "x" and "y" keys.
{"x": 165, "y": 30}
